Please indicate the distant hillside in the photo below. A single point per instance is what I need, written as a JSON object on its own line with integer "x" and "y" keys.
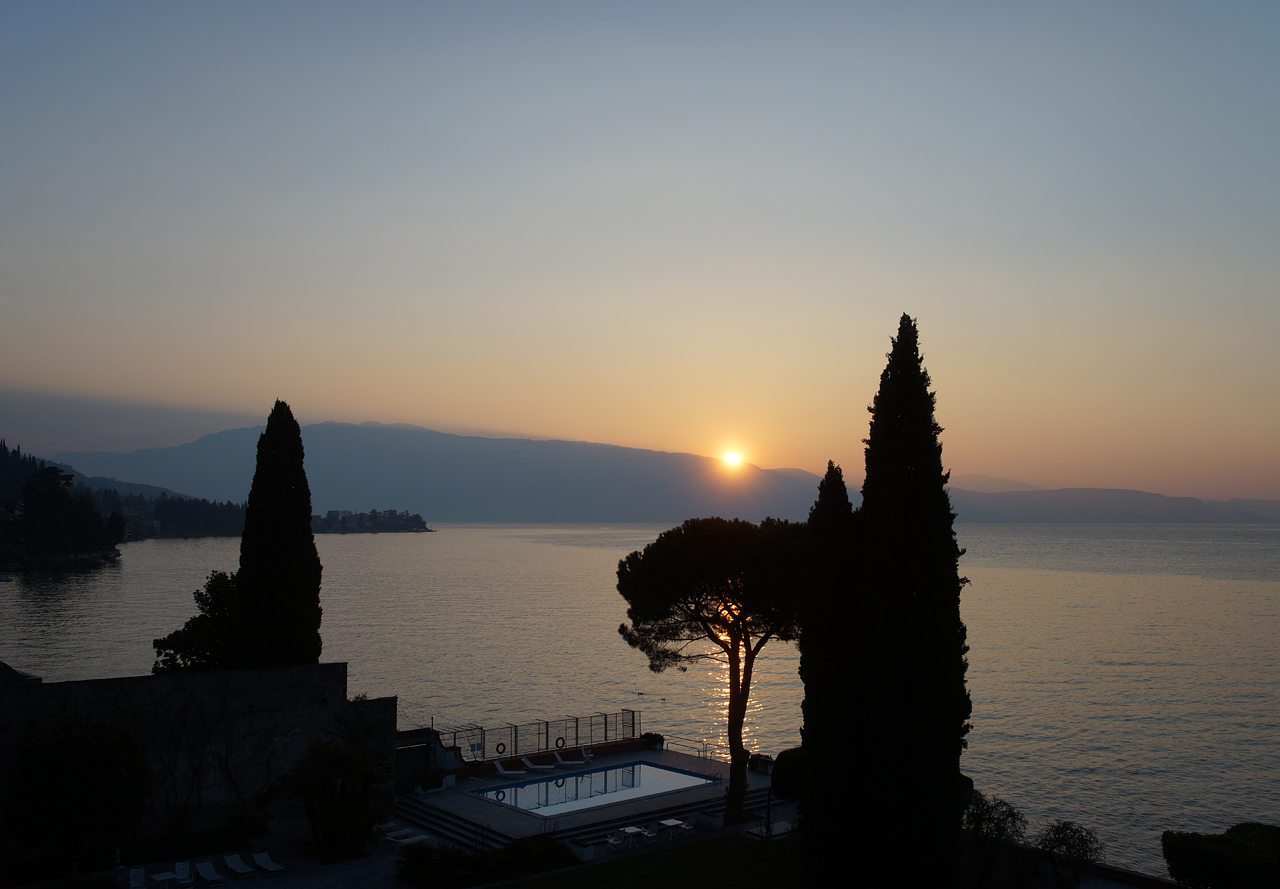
{"x": 456, "y": 478}
{"x": 1092, "y": 505}
{"x": 990, "y": 484}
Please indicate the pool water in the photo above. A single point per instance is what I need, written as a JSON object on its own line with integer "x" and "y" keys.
{"x": 563, "y": 792}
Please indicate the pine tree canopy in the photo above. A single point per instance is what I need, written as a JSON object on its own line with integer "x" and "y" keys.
{"x": 718, "y": 590}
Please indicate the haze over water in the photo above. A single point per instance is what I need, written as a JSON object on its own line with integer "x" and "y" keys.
{"x": 1122, "y": 676}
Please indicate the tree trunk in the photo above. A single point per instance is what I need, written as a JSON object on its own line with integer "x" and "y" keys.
{"x": 737, "y": 793}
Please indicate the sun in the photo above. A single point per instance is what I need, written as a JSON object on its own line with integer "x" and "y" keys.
{"x": 732, "y": 459}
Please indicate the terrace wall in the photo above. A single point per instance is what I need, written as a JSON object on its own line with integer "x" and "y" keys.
{"x": 216, "y": 742}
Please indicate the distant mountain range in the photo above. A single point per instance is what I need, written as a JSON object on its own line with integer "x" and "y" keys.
{"x": 458, "y": 478}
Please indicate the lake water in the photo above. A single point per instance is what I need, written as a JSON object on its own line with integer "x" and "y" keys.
{"x": 1123, "y": 676}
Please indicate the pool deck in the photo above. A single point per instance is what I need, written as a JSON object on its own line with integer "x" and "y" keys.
{"x": 519, "y": 823}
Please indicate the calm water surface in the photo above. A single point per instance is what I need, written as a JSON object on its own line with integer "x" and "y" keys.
{"x": 1124, "y": 676}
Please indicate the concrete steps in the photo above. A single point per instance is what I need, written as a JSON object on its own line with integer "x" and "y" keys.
{"x": 458, "y": 831}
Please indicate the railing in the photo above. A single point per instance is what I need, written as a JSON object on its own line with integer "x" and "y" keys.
{"x": 478, "y": 743}
{"x": 703, "y": 749}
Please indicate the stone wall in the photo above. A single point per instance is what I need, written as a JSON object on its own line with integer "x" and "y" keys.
{"x": 217, "y": 743}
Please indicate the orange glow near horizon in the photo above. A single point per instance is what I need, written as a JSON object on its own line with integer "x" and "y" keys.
{"x": 732, "y": 459}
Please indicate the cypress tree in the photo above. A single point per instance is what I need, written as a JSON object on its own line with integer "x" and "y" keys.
{"x": 916, "y": 703}
{"x": 268, "y": 613}
{"x": 827, "y": 672}
{"x": 279, "y": 576}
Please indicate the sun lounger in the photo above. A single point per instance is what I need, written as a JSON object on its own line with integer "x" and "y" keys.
{"x": 537, "y": 767}
{"x": 397, "y": 835}
{"x": 263, "y": 861}
{"x": 568, "y": 763}
{"x": 237, "y": 867}
{"x": 421, "y": 839}
{"x": 208, "y": 873}
{"x": 513, "y": 773}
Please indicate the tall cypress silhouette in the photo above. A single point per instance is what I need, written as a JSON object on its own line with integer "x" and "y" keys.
{"x": 828, "y": 673}
{"x": 279, "y": 576}
{"x": 916, "y": 704}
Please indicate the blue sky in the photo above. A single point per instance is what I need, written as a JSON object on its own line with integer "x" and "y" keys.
{"x": 685, "y": 227}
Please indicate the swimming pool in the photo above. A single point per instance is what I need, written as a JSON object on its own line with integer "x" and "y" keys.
{"x": 573, "y": 791}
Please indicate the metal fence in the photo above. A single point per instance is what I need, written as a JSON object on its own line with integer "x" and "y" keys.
{"x": 478, "y": 743}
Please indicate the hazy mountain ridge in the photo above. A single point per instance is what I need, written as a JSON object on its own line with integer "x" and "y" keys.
{"x": 1101, "y": 505}
{"x": 459, "y": 478}
{"x": 455, "y": 478}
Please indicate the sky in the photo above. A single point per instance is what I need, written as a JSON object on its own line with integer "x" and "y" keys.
{"x": 679, "y": 226}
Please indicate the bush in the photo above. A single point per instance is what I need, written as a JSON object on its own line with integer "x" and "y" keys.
{"x": 994, "y": 819}
{"x": 1070, "y": 840}
{"x": 342, "y": 787}
{"x": 1246, "y": 855}
{"x": 788, "y": 774}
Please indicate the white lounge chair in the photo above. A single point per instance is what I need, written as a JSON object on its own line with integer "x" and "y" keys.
{"x": 208, "y": 873}
{"x": 537, "y": 767}
{"x": 568, "y": 763}
{"x": 137, "y": 877}
{"x": 513, "y": 773}
{"x": 182, "y": 869}
{"x": 237, "y": 867}
{"x": 586, "y": 754}
{"x": 421, "y": 839}
{"x": 263, "y": 861}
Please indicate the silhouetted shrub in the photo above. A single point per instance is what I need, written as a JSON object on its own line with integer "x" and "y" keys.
{"x": 788, "y": 774}
{"x": 994, "y": 819}
{"x": 1070, "y": 840}
{"x": 342, "y": 787}
{"x": 1247, "y": 855}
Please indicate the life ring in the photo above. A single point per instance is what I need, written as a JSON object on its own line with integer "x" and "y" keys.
{"x": 559, "y": 782}
{"x": 559, "y": 742}
{"x": 501, "y": 748}
{"x": 500, "y": 795}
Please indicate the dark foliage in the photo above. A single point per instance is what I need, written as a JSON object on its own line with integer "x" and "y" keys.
{"x": 79, "y": 786}
{"x": 342, "y": 787}
{"x": 825, "y": 668}
{"x": 188, "y": 517}
{"x": 279, "y": 576}
{"x": 15, "y": 469}
{"x": 789, "y": 774}
{"x": 718, "y": 590}
{"x": 1245, "y": 856}
{"x": 1071, "y": 840}
{"x": 994, "y": 819}
{"x": 268, "y": 613}
{"x": 56, "y": 521}
{"x": 911, "y": 679}
{"x": 213, "y": 639}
